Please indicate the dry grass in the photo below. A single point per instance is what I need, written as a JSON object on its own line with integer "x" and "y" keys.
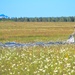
{"x": 32, "y": 31}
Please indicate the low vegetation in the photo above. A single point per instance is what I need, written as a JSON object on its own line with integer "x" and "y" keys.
{"x": 53, "y": 60}
{"x": 37, "y": 60}
{"x": 35, "y": 31}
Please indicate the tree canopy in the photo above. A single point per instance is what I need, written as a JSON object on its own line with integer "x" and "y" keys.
{"x": 40, "y": 19}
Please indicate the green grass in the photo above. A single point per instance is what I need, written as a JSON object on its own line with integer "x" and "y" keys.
{"x": 54, "y": 60}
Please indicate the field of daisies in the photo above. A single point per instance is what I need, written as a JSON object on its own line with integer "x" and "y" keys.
{"x": 53, "y": 60}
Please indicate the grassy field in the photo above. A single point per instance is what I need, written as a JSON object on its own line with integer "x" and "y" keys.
{"x": 53, "y": 60}
{"x": 35, "y": 31}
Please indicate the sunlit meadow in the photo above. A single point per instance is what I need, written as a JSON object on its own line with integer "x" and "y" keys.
{"x": 53, "y": 60}
{"x": 35, "y": 31}
{"x": 37, "y": 60}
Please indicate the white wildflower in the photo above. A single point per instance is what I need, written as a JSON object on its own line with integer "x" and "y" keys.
{"x": 68, "y": 65}
{"x": 46, "y": 66}
{"x": 55, "y": 71}
{"x": 47, "y": 59}
{"x": 13, "y": 65}
{"x": 72, "y": 71}
{"x": 66, "y": 59}
{"x": 43, "y": 71}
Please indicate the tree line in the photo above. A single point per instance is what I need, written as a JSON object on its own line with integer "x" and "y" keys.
{"x": 40, "y": 19}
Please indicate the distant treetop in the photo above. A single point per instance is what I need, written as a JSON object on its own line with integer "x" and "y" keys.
{"x": 37, "y": 19}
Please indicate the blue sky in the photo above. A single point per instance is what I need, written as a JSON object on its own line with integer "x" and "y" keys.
{"x": 37, "y": 8}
